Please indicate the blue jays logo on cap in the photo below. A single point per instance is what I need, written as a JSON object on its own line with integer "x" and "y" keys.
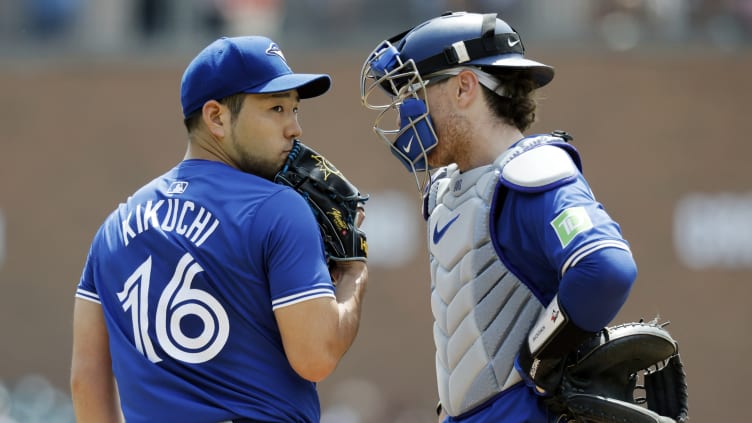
{"x": 275, "y": 50}
{"x": 246, "y": 64}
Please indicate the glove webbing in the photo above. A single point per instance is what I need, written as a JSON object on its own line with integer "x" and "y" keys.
{"x": 666, "y": 390}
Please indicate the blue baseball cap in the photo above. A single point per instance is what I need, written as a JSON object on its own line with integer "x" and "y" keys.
{"x": 250, "y": 64}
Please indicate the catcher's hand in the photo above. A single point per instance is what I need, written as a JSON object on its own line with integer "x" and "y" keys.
{"x": 600, "y": 383}
{"x": 336, "y": 203}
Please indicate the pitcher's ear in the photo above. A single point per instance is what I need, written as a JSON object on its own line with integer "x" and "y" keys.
{"x": 214, "y": 115}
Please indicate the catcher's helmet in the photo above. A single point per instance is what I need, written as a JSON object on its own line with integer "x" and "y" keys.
{"x": 467, "y": 39}
{"x": 405, "y": 63}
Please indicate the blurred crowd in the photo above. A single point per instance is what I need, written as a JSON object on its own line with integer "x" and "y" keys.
{"x": 33, "y": 399}
{"x": 117, "y": 25}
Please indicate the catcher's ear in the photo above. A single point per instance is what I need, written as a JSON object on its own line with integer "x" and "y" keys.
{"x": 468, "y": 87}
{"x": 213, "y": 115}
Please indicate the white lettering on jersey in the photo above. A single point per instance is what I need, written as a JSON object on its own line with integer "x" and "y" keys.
{"x": 180, "y": 217}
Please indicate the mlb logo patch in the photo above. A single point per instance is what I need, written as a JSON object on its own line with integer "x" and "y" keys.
{"x": 177, "y": 187}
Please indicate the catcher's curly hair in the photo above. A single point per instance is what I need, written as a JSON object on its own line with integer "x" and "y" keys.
{"x": 518, "y": 107}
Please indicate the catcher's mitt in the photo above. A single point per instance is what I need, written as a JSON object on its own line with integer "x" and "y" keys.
{"x": 332, "y": 197}
{"x": 602, "y": 383}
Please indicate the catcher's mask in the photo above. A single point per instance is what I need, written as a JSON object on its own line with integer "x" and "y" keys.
{"x": 402, "y": 66}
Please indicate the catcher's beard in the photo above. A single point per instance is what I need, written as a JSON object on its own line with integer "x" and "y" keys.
{"x": 453, "y": 144}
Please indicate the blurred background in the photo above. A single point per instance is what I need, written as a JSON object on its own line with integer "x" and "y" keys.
{"x": 655, "y": 93}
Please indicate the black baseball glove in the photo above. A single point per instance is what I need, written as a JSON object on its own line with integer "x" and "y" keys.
{"x": 333, "y": 199}
{"x": 626, "y": 373}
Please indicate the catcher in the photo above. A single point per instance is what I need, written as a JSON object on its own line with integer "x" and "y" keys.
{"x": 526, "y": 265}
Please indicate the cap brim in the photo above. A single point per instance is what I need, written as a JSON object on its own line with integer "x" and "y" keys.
{"x": 542, "y": 74}
{"x": 307, "y": 85}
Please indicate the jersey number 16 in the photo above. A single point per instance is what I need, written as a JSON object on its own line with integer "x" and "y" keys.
{"x": 177, "y": 301}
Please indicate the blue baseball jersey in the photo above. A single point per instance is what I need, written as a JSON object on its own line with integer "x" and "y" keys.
{"x": 189, "y": 272}
{"x": 544, "y": 249}
{"x": 516, "y": 404}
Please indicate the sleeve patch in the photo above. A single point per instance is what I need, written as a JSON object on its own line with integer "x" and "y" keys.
{"x": 569, "y": 223}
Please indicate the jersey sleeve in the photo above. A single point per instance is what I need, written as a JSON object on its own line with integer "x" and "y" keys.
{"x": 544, "y": 234}
{"x": 293, "y": 250}
{"x": 575, "y": 225}
{"x": 86, "y": 289}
